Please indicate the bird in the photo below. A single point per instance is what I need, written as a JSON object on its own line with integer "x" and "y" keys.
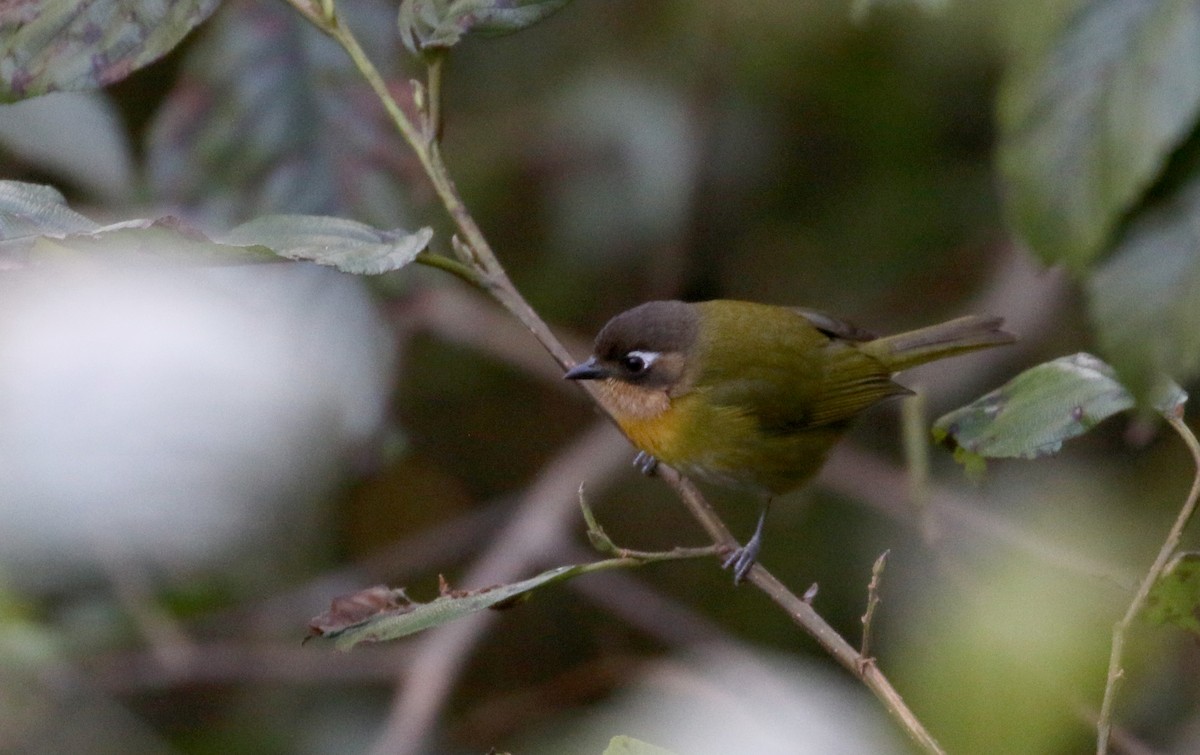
{"x": 750, "y": 395}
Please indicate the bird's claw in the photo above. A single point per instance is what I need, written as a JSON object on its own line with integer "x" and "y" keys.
{"x": 743, "y": 559}
{"x": 645, "y": 463}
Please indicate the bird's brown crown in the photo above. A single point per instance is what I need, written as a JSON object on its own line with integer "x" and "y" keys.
{"x": 649, "y": 344}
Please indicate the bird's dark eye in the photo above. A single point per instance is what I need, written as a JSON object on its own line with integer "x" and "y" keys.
{"x": 637, "y": 362}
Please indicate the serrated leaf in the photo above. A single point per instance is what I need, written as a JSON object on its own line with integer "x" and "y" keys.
{"x": 54, "y": 45}
{"x": 270, "y": 116}
{"x": 623, "y": 745}
{"x": 417, "y": 617}
{"x": 1035, "y": 412}
{"x": 1175, "y": 597}
{"x": 1144, "y": 300}
{"x": 427, "y": 24}
{"x": 28, "y": 210}
{"x": 1086, "y": 128}
{"x": 350, "y": 246}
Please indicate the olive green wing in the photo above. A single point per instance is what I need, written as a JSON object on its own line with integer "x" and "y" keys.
{"x": 852, "y": 380}
{"x": 798, "y": 370}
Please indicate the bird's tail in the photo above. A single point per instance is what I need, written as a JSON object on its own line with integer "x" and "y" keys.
{"x": 947, "y": 339}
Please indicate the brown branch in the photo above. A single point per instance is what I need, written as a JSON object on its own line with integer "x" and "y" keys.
{"x": 869, "y": 674}
{"x": 805, "y": 616}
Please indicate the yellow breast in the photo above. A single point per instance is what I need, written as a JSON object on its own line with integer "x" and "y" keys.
{"x": 647, "y": 417}
{"x": 722, "y": 444}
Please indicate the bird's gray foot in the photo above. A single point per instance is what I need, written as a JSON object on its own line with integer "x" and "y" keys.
{"x": 645, "y": 463}
{"x": 744, "y": 558}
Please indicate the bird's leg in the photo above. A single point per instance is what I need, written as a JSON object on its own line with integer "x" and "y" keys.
{"x": 743, "y": 558}
{"x": 645, "y": 463}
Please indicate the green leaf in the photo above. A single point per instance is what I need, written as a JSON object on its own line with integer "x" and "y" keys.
{"x": 1088, "y": 124}
{"x": 1032, "y": 414}
{"x": 350, "y": 246}
{"x": 270, "y": 116}
{"x": 1144, "y": 300}
{"x": 1175, "y": 597}
{"x": 75, "y": 45}
{"x": 623, "y": 745}
{"x": 496, "y": 17}
{"x": 431, "y": 24}
{"x": 410, "y": 618}
{"x": 162, "y": 240}
{"x": 28, "y": 210}
{"x": 30, "y": 213}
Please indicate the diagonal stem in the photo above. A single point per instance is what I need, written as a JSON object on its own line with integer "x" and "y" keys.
{"x": 804, "y": 615}
{"x": 1115, "y": 672}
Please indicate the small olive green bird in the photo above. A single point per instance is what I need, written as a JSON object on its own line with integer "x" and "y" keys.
{"x": 754, "y": 395}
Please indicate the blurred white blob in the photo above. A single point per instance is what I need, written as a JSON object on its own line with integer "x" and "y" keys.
{"x": 721, "y": 702}
{"x": 634, "y": 156}
{"x": 77, "y": 136}
{"x": 175, "y": 415}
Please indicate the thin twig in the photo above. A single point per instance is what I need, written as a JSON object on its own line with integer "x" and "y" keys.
{"x": 864, "y": 649}
{"x": 645, "y": 607}
{"x": 435, "y": 58}
{"x": 804, "y": 615}
{"x": 869, "y": 674}
{"x": 603, "y": 543}
{"x": 1121, "y": 741}
{"x": 452, "y": 266}
{"x": 1115, "y": 671}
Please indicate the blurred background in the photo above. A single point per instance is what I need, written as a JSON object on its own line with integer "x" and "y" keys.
{"x": 196, "y": 463}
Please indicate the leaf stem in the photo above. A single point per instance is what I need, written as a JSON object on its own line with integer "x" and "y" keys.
{"x": 435, "y": 60}
{"x": 452, "y": 266}
{"x": 1115, "y": 671}
{"x": 492, "y": 274}
{"x": 603, "y": 543}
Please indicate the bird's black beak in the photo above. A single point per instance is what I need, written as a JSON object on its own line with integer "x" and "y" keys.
{"x": 588, "y": 370}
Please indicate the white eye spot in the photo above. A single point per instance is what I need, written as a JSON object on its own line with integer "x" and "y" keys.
{"x": 637, "y": 362}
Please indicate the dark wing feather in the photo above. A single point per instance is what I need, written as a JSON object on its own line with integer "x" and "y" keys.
{"x": 834, "y": 327}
